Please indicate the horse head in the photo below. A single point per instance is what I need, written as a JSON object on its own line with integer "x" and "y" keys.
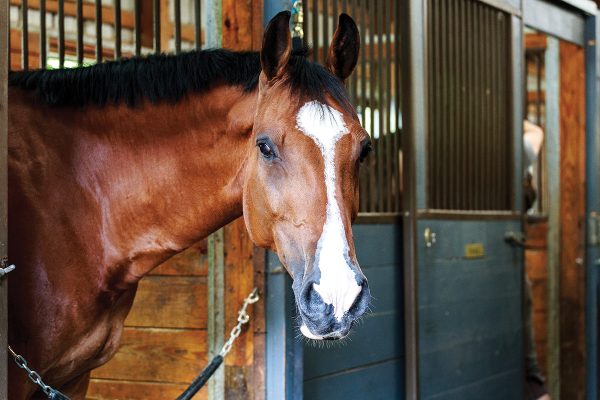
{"x": 301, "y": 188}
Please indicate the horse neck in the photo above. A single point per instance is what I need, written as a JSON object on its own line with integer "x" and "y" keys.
{"x": 167, "y": 175}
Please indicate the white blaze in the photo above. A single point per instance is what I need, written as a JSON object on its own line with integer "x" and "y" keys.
{"x": 337, "y": 286}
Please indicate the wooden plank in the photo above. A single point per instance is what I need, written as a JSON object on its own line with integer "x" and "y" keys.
{"x": 157, "y": 355}
{"x": 102, "y": 389}
{"x": 381, "y": 381}
{"x": 537, "y": 41}
{"x": 191, "y": 262}
{"x": 572, "y": 215}
{"x": 169, "y": 302}
{"x": 4, "y": 53}
{"x": 361, "y": 348}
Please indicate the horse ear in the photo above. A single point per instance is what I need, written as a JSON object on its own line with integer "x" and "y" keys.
{"x": 344, "y": 48}
{"x": 277, "y": 46}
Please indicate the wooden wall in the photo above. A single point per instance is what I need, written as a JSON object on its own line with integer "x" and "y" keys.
{"x": 536, "y": 267}
{"x": 572, "y": 216}
{"x": 165, "y": 339}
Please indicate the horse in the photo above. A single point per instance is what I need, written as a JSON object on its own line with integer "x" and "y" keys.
{"x": 116, "y": 167}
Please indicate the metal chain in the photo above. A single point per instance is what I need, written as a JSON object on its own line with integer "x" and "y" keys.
{"x": 34, "y": 376}
{"x": 242, "y": 319}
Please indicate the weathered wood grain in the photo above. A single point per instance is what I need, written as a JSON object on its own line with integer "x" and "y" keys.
{"x": 102, "y": 389}
{"x": 572, "y": 211}
{"x": 191, "y": 262}
{"x": 159, "y": 355}
{"x": 169, "y": 302}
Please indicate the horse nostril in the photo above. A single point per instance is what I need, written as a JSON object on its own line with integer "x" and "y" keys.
{"x": 361, "y": 303}
{"x": 312, "y": 302}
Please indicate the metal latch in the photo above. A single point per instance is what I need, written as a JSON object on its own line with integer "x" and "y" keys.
{"x": 4, "y": 268}
{"x": 429, "y": 237}
{"x": 515, "y": 238}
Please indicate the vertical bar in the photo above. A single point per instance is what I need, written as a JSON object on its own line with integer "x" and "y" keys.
{"x": 216, "y": 330}
{"x": 380, "y": 105}
{"x": 398, "y": 111}
{"x": 156, "y": 25}
{"x": 4, "y": 66}
{"x": 79, "y": 15}
{"x": 98, "y": 31}
{"x": 388, "y": 95}
{"x": 61, "y": 33}
{"x": 137, "y": 26}
{"x": 461, "y": 132}
{"x": 25, "y": 35}
{"x": 315, "y": 29}
{"x": 443, "y": 135}
{"x": 177, "y": 4}
{"x": 325, "y": 33}
{"x": 197, "y": 24}
{"x": 43, "y": 56}
{"x": 470, "y": 104}
{"x": 374, "y": 160}
{"x": 117, "y": 29}
{"x": 434, "y": 98}
{"x": 354, "y": 77}
{"x": 552, "y": 139}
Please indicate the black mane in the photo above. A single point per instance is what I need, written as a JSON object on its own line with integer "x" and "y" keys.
{"x": 167, "y": 78}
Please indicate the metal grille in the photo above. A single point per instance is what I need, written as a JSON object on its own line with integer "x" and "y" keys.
{"x": 68, "y": 33}
{"x": 374, "y": 88}
{"x": 470, "y": 152}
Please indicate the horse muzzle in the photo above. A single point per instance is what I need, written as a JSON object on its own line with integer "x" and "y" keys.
{"x": 333, "y": 317}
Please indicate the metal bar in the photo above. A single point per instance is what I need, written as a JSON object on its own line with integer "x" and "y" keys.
{"x": 137, "y": 26}
{"x": 443, "y": 135}
{"x": 43, "y": 53}
{"x": 315, "y": 30}
{"x": 374, "y": 160}
{"x": 117, "y": 29}
{"x": 462, "y": 91}
{"x": 25, "y": 35}
{"x": 354, "y": 77}
{"x": 79, "y": 16}
{"x": 197, "y": 24}
{"x": 398, "y": 110}
{"x": 98, "y": 31}
{"x": 61, "y": 33}
{"x": 387, "y": 107}
{"x": 380, "y": 105}
{"x": 177, "y": 11}
{"x": 325, "y": 33}
{"x": 471, "y": 103}
{"x": 156, "y": 25}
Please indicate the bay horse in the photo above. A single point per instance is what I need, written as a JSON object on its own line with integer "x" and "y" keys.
{"x": 115, "y": 168}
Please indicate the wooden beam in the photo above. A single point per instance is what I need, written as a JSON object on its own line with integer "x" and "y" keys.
{"x": 572, "y": 221}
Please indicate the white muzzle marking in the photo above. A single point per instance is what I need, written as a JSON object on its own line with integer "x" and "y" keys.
{"x": 337, "y": 286}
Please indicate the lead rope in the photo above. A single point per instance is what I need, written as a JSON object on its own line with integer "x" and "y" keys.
{"x": 214, "y": 364}
{"x": 196, "y": 384}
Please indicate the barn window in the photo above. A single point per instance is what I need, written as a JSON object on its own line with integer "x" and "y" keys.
{"x": 470, "y": 152}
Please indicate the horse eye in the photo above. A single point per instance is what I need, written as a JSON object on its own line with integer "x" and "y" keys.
{"x": 266, "y": 150}
{"x": 365, "y": 150}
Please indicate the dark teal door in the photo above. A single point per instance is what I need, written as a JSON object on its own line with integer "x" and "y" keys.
{"x": 462, "y": 163}
{"x": 370, "y": 363}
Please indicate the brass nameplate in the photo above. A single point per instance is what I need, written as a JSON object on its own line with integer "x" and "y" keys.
{"x": 474, "y": 250}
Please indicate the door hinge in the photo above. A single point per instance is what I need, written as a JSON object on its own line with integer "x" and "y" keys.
{"x": 594, "y": 229}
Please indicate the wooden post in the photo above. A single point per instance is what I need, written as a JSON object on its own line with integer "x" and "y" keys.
{"x": 216, "y": 284}
{"x": 552, "y": 138}
{"x": 3, "y": 201}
